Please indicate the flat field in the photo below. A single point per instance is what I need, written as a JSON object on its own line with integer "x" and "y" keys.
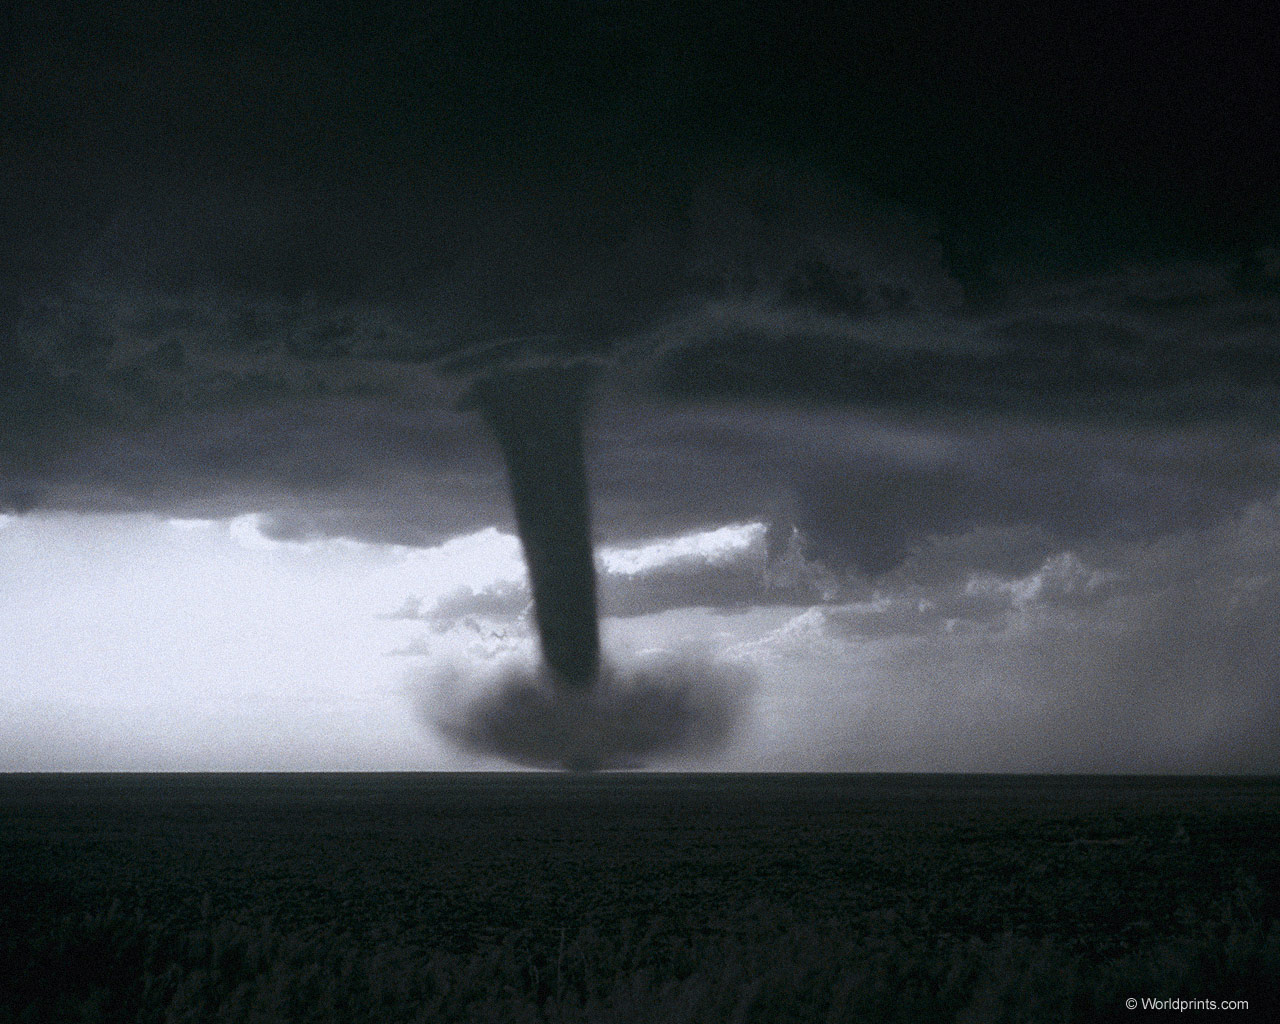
{"x": 632, "y": 897}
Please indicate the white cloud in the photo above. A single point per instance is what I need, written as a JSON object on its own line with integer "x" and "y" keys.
{"x": 731, "y": 568}
{"x": 719, "y": 544}
{"x": 486, "y": 558}
{"x": 1062, "y": 577}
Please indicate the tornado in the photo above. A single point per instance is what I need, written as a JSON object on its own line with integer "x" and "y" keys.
{"x": 571, "y": 712}
{"x": 536, "y": 416}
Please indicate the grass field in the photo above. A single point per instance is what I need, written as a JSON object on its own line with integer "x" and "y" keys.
{"x": 522, "y": 897}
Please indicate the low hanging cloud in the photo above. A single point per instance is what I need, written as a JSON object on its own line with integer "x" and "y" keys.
{"x": 1159, "y": 656}
{"x": 289, "y": 330}
{"x": 866, "y": 489}
{"x": 657, "y": 710}
{"x": 730, "y": 569}
{"x": 981, "y": 602}
{"x": 228, "y": 346}
{"x": 1150, "y": 655}
{"x": 504, "y": 601}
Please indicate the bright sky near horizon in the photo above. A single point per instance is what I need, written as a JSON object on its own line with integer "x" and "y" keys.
{"x": 136, "y": 642}
{"x": 143, "y": 643}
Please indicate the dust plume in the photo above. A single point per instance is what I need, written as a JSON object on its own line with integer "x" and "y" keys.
{"x": 663, "y": 707}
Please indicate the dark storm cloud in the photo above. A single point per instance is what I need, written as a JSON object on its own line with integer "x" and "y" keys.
{"x": 264, "y": 285}
{"x": 372, "y": 469}
{"x": 375, "y": 451}
{"x": 1096, "y": 347}
{"x": 865, "y": 490}
{"x": 205, "y": 304}
{"x": 1068, "y": 487}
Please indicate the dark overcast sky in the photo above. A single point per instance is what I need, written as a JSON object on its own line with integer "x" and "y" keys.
{"x": 210, "y": 207}
{"x": 942, "y": 294}
{"x": 325, "y": 223}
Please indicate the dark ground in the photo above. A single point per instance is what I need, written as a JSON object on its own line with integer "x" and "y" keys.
{"x": 621, "y": 897}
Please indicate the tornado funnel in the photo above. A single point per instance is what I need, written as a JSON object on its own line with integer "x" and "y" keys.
{"x": 536, "y": 416}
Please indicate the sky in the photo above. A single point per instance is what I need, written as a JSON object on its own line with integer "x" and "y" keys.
{"x": 587, "y": 385}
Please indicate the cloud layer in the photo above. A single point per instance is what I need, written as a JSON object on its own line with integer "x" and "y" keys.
{"x": 1156, "y": 656}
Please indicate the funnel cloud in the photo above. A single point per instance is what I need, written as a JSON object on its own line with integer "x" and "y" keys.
{"x": 536, "y": 416}
{"x": 571, "y": 713}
